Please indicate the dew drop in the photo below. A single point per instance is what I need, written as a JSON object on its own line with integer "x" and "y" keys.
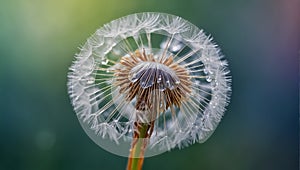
{"x": 133, "y": 77}
{"x": 104, "y": 62}
{"x": 159, "y": 78}
{"x": 176, "y": 47}
{"x": 216, "y": 97}
{"x": 208, "y": 78}
{"x": 168, "y": 83}
{"x": 205, "y": 59}
{"x": 116, "y": 51}
{"x": 163, "y": 44}
{"x": 215, "y": 85}
{"x": 90, "y": 81}
{"x": 213, "y": 104}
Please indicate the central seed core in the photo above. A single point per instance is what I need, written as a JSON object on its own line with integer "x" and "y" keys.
{"x": 156, "y": 84}
{"x": 154, "y": 73}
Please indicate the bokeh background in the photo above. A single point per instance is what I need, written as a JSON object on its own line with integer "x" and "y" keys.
{"x": 260, "y": 39}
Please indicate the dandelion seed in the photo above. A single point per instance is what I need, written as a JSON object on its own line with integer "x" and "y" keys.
{"x": 149, "y": 79}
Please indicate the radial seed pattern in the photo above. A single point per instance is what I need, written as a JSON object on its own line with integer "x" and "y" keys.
{"x": 152, "y": 68}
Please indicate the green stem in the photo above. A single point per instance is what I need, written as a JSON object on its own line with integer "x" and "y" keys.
{"x": 136, "y": 157}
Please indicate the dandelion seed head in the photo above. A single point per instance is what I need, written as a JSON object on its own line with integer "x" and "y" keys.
{"x": 151, "y": 68}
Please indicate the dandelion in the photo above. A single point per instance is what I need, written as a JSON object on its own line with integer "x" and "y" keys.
{"x": 150, "y": 82}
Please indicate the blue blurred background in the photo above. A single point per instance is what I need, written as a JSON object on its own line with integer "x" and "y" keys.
{"x": 260, "y": 39}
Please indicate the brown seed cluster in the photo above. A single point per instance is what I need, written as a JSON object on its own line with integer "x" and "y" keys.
{"x": 158, "y": 95}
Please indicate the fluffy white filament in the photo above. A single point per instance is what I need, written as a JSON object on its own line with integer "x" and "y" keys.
{"x": 99, "y": 103}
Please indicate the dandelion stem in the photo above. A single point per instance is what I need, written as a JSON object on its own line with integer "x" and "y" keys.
{"x": 138, "y": 146}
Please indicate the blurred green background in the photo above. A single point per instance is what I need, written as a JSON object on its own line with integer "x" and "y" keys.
{"x": 260, "y": 39}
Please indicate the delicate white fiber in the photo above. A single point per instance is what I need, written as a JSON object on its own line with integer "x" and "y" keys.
{"x": 101, "y": 103}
